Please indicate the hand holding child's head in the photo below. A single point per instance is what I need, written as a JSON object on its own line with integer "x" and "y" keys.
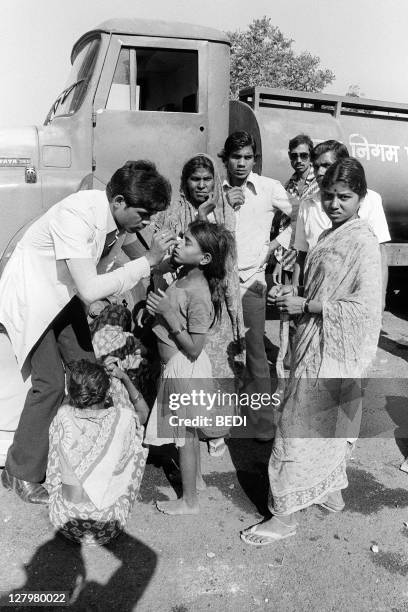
{"x": 112, "y": 367}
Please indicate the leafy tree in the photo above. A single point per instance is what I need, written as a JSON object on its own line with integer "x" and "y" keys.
{"x": 354, "y": 91}
{"x": 261, "y": 55}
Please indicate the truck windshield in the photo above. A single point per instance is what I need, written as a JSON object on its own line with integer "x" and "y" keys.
{"x": 69, "y": 100}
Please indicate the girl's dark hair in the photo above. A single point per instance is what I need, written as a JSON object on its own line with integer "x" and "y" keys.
{"x": 348, "y": 171}
{"x": 331, "y": 146}
{"x": 198, "y": 161}
{"x": 141, "y": 186}
{"x": 88, "y": 383}
{"x": 301, "y": 139}
{"x": 236, "y": 141}
{"x": 219, "y": 243}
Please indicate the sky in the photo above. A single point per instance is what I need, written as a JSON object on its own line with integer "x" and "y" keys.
{"x": 364, "y": 42}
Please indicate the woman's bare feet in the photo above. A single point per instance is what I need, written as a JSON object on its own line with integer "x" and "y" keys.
{"x": 177, "y": 506}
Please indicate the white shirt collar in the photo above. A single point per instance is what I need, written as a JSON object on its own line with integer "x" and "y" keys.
{"x": 252, "y": 180}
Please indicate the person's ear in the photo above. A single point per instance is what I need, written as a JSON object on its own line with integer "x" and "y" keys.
{"x": 118, "y": 201}
{"x": 206, "y": 259}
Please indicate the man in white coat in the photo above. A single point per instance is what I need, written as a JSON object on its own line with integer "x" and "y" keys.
{"x": 50, "y": 273}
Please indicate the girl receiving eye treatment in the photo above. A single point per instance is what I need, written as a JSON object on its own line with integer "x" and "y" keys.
{"x": 184, "y": 315}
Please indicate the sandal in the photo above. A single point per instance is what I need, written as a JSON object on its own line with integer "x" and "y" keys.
{"x": 252, "y": 537}
{"x": 216, "y": 447}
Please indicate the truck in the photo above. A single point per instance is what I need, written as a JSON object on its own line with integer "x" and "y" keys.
{"x": 160, "y": 91}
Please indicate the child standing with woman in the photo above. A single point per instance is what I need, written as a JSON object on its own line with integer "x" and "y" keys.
{"x": 184, "y": 315}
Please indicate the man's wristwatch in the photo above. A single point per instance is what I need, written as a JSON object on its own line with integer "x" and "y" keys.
{"x": 305, "y": 306}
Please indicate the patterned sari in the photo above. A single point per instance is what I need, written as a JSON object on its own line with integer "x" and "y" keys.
{"x": 331, "y": 355}
{"x": 96, "y": 458}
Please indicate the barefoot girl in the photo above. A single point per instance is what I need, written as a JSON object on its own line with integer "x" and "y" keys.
{"x": 184, "y": 315}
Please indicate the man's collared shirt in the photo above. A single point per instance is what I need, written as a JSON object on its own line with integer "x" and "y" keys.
{"x": 310, "y": 186}
{"x": 263, "y": 197}
{"x": 286, "y": 254}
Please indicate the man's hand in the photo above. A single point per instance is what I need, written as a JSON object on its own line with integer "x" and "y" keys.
{"x": 96, "y": 308}
{"x": 206, "y": 208}
{"x": 158, "y": 304}
{"x": 235, "y": 197}
{"x": 161, "y": 243}
{"x": 278, "y": 290}
{"x": 277, "y": 274}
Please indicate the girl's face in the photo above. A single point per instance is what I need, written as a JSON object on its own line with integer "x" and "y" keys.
{"x": 188, "y": 252}
{"x": 200, "y": 185}
{"x": 340, "y": 203}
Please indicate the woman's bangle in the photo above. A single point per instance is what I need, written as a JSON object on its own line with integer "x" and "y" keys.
{"x": 178, "y": 331}
{"x": 135, "y": 398}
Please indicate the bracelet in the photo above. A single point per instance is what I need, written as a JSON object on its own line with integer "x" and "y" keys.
{"x": 135, "y": 398}
{"x": 178, "y": 331}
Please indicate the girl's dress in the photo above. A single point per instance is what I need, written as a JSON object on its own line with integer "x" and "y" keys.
{"x": 191, "y": 299}
{"x": 98, "y": 453}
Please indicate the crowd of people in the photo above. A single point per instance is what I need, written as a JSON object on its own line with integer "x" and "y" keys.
{"x": 114, "y": 301}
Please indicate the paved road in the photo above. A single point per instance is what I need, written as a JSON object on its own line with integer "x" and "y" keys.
{"x": 194, "y": 564}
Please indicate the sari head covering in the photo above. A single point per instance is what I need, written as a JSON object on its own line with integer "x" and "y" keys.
{"x": 177, "y": 218}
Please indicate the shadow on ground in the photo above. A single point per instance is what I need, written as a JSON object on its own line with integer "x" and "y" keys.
{"x": 58, "y": 565}
{"x": 366, "y": 495}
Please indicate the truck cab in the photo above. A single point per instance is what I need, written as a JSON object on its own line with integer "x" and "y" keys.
{"x": 137, "y": 89}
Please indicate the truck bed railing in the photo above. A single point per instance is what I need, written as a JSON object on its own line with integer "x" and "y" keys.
{"x": 269, "y": 97}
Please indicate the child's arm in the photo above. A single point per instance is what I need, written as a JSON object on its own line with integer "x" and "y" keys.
{"x": 192, "y": 344}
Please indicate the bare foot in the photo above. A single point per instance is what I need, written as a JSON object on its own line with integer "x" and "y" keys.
{"x": 200, "y": 484}
{"x": 177, "y": 506}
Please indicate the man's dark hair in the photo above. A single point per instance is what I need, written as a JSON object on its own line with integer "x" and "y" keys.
{"x": 88, "y": 383}
{"x": 301, "y": 139}
{"x": 141, "y": 186}
{"x": 236, "y": 141}
{"x": 338, "y": 148}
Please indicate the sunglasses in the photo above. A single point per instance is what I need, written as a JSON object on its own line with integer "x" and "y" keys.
{"x": 302, "y": 156}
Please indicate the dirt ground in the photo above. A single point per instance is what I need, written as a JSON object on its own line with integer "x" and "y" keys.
{"x": 199, "y": 563}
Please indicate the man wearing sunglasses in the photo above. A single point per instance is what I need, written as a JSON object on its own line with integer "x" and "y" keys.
{"x": 301, "y": 185}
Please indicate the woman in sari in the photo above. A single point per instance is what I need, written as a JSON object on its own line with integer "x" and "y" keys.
{"x": 200, "y": 198}
{"x": 335, "y": 343}
{"x": 96, "y": 460}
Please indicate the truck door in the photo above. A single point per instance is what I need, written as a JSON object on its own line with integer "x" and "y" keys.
{"x": 151, "y": 103}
